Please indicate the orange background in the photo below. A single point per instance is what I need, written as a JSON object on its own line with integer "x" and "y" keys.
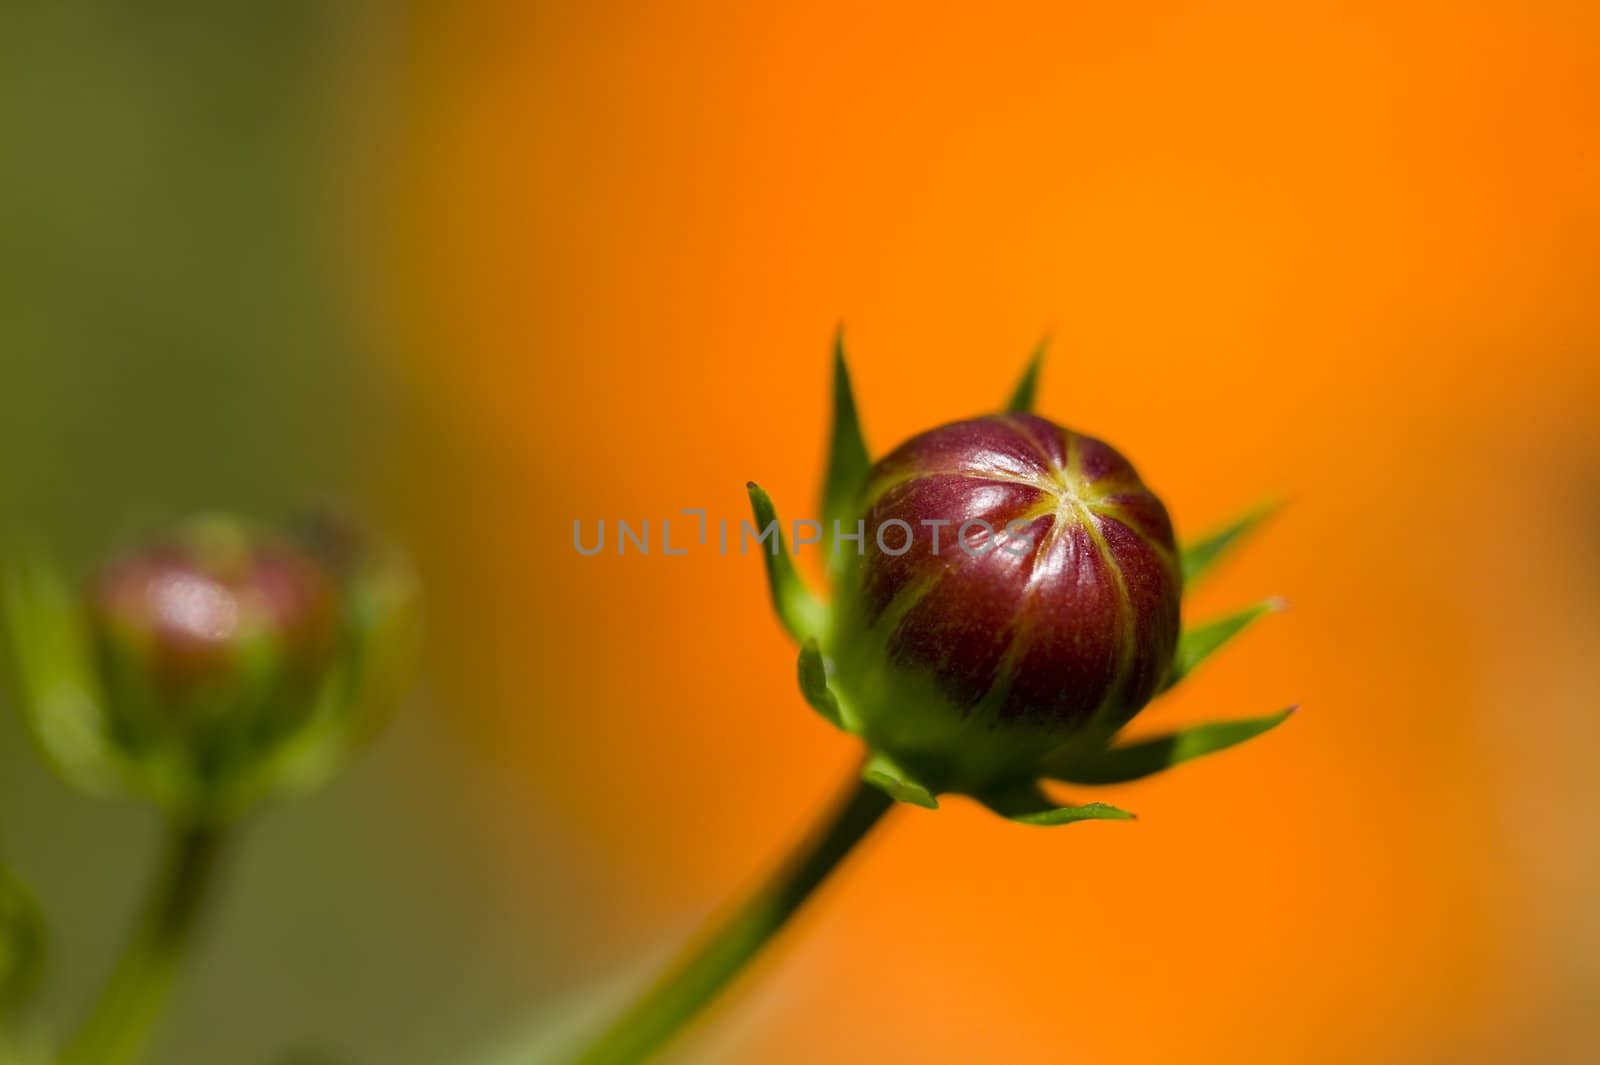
{"x": 1341, "y": 251}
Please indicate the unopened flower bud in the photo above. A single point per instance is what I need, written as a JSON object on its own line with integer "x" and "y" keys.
{"x": 192, "y": 619}
{"x": 1022, "y": 587}
{"x": 214, "y": 665}
{"x": 1015, "y": 603}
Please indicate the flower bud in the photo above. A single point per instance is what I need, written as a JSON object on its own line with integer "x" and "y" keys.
{"x": 1020, "y": 587}
{"x": 214, "y": 665}
{"x": 189, "y": 622}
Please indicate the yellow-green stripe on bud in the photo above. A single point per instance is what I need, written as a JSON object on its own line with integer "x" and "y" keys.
{"x": 1020, "y": 587}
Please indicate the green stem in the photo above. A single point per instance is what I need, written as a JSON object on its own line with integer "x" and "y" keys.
{"x": 124, "y": 1017}
{"x": 707, "y": 966}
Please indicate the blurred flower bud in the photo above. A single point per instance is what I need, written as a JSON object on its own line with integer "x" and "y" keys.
{"x": 215, "y": 664}
{"x": 382, "y": 613}
{"x": 194, "y": 624}
{"x": 1020, "y": 586}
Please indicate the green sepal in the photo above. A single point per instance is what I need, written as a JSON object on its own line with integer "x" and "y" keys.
{"x": 355, "y": 699}
{"x": 802, "y": 615}
{"x": 1022, "y": 397}
{"x": 814, "y": 684}
{"x": 296, "y": 764}
{"x": 883, "y": 773}
{"x": 1027, "y": 804}
{"x": 384, "y": 598}
{"x": 1200, "y": 642}
{"x": 848, "y": 460}
{"x": 1201, "y": 555}
{"x": 1118, "y": 765}
{"x": 22, "y": 946}
{"x": 55, "y": 680}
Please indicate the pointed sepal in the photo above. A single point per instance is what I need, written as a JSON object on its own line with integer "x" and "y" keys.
{"x": 883, "y": 773}
{"x": 1201, "y": 641}
{"x": 56, "y": 683}
{"x": 1201, "y": 555}
{"x": 814, "y": 684}
{"x": 1023, "y": 396}
{"x": 1118, "y": 765}
{"x": 1027, "y": 804}
{"x": 799, "y": 611}
{"x": 848, "y": 460}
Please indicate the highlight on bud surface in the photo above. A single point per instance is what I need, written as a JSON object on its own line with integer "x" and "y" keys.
{"x": 184, "y": 625}
{"x": 1056, "y": 603}
{"x": 1014, "y": 603}
{"x": 213, "y": 664}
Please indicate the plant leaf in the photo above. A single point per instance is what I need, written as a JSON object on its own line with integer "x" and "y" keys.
{"x": 848, "y": 459}
{"x": 1026, "y": 804}
{"x": 1200, "y": 642}
{"x": 1022, "y": 397}
{"x": 1118, "y": 765}
{"x": 814, "y": 684}
{"x": 801, "y": 614}
{"x": 1201, "y": 555}
{"x": 884, "y": 773}
{"x": 57, "y": 689}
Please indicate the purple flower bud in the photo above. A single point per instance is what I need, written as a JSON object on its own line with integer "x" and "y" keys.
{"x": 215, "y": 665}
{"x": 1018, "y": 573}
{"x": 193, "y": 612}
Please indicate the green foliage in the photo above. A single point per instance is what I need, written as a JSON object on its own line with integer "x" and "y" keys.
{"x": 1118, "y": 765}
{"x": 883, "y": 773}
{"x": 848, "y": 459}
{"x": 55, "y": 682}
{"x": 1201, "y": 641}
{"x": 799, "y": 611}
{"x": 814, "y": 684}
{"x": 1028, "y": 805}
{"x": 1202, "y": 555}
{"x": 1022, "y": 397}
{"x": 383, "y": 637}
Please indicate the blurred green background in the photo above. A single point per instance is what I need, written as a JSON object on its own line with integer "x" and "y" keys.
{"x": 180, "y": 330}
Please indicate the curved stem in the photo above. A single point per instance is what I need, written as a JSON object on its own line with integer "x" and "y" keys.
{"x": 119, "y": 1027}
{"x": 707, "y": 966}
